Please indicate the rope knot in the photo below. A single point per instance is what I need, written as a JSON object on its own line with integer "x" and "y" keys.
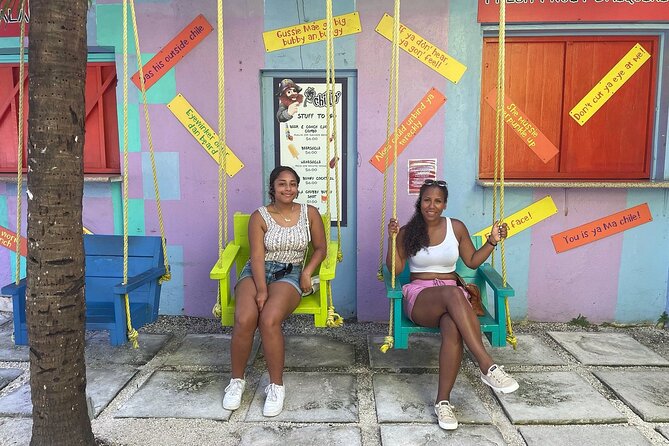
{"x": 334, "y": 319}
{"x": 388, "y": 343}
{"x": 133, "y": 337}
{"x": 216, "y": 311}
{"x": 165, "y": 278}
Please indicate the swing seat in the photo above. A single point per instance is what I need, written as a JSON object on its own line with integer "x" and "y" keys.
{"x": 237, "y": 252}
{"x": 105, "y": 302}
{"x": 493, "y": 323}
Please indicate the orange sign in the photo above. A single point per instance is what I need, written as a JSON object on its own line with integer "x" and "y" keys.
{"x": 409, "y": 128}
{"x": 524, "y": 128}
{"x": 604, "y": 227}
{"x": 8, "y": 240}
{"x": 173, "y": 52}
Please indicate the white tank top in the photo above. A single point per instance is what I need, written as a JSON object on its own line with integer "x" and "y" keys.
{"x": 440, "y": 258}
{"x": 286, "y": 244}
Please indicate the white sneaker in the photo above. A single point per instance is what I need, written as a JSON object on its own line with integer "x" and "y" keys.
{"x": 233, "y": 394}
{"x": 444, "y": 411}
{"x": 499, "y": 380}
{"x": 274, "y": 401}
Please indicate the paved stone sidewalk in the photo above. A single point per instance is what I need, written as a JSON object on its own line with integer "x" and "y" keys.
{"x": 604, "y": 387}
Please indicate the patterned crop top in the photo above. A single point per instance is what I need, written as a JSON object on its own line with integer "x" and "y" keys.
{"x": 286, "y": 244}
{"x": 440, "y": 258}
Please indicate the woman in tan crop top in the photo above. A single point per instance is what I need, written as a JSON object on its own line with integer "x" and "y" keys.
{"x": 270, "y": 286}
{"x": 433, "y": 299}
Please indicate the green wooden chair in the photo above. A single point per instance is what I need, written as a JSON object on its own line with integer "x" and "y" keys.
{"x": 493, "y": 323}
{"x": 237, "y": 253}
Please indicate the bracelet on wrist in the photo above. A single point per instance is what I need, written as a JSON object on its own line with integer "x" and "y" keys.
{"x": 494, "y": 245}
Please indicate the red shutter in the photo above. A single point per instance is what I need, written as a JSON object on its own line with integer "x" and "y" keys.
{"x": 9, "y": 103}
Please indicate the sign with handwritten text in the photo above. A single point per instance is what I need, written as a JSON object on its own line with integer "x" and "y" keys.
{"x": 412, "y": 124}
{"x": 203, "y": 133}
{"x": 578, "y": 11}
{"x": 524, "y": 127}
{"x": 604, "y": 227}
{"x": 525, "y": 218}
{"x": 423, "y": 50}
{"x": 609, "y": 84}
{"x": 8, "y": 240}
{"x": 173, "y": 52}
{"x": 310, "y": 32}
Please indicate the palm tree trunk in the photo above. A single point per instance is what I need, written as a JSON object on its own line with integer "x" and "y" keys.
{"x": 55, "y": 262}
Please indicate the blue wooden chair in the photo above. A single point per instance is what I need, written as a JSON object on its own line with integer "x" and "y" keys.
{"x": 493, "y": 323}
{"x": 105, "y": 303}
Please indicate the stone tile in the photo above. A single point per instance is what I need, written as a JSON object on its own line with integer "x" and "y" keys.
{"x": 98, "y": 349}
{"x": 318, "y": 351}
{"x": 311, "y": 398}
{"x": 530, "y": 350}
{"x": 102, "y": 386}
{"x": 302, "y": 436}
{"x": 423, "y": 352}
{"x": 607, "y": 349}
{"x": 645, "y": 391}
{"x": 9, "y": 351}
{"x": 8, "y": 375}
{"x": 168, "y": 394}
{"x": 409, "y": 398}
{"x": 432, "y": 435}
{"x": 207, "y": 350}
{"x": 17, "y": 402}
{"x": 582, "y": 435}
{"x": 664, "y": 430}
{"x": 16, "y": 431}
{"x": 557, "y": 398}
{"x": 5, "y": 317}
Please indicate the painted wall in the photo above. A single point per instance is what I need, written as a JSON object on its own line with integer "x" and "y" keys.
{"x": 622, "y": 278}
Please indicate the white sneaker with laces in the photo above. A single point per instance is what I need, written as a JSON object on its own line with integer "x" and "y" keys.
{"x": 444, "y": 411}
{"x": 274, "y": 401}
{"x": 499, "y": 380}
{"x": 233, "y": 394}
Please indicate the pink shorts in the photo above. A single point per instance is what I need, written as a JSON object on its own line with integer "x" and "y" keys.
{"x": 413, "y": 288}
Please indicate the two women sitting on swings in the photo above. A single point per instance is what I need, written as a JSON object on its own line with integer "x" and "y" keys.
{"x": 270, "y": 286}
{"x": 432, "y": 244}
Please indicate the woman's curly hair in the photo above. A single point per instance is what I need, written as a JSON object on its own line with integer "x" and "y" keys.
{"x": 415, "y": 232}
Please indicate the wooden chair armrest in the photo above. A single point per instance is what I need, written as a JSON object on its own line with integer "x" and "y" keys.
{"x": 493, "y": 279}
{"x": 391, "y": 292}
{"x": 328, "y": 267}
{"x": 222, "y": 268}
{"x": 13, "y": 289}
{"x": 139, "y": 280}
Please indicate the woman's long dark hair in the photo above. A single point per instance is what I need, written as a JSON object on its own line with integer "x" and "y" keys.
{"x": 275, "y": 174}
{"x": 415, "y": 232}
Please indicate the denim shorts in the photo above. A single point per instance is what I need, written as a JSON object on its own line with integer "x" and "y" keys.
{"x": 271, "y": 267}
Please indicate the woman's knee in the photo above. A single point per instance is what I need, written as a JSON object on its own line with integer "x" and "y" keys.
{"x": 246, "y": 321}
{"x": 269, "y": 320}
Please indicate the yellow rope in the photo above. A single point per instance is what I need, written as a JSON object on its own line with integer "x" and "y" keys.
{"x": 389, "y": 341}
{"x": 19, "y": 157}
{"x": 333, "y": 319}
{"x": 167, "y": 276}
{"x": 222, "y": 151}
{"x": 131, "y": 330}
{"x": 499, "y": 158}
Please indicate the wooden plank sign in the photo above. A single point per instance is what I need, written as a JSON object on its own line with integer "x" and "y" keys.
{"x": 202, "y": 132}
{"x": 421, "y": 49}
{"x": 610, "y": 84}
{"x": 518, "y": 121}
{"x": 412, "y": 124}
{"x": 310, "y": 32}
{"x": 8, "y": 240}
{"x": 604, "y": 227}
{"x": 525, "y": 218}
{"x": 173, "y": 52}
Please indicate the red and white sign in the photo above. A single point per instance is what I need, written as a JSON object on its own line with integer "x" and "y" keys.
{"x": 576, "y": 11}
{"x": 11, "y": 17}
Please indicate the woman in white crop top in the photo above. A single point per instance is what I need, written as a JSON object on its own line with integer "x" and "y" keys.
{"x": 269, "y": 287}
{"x": 432, "y": 244}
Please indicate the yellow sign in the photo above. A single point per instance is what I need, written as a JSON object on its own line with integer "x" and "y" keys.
{"x": 423, "y": 50}
{"x": 527, "y": 217}
{"x": 201, "y": 131}
{"x": 310, "y": 32}
{"x": 609, "y": 84}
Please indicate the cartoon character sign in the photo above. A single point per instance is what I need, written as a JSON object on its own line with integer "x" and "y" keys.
{"x": 289, "y": 99}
